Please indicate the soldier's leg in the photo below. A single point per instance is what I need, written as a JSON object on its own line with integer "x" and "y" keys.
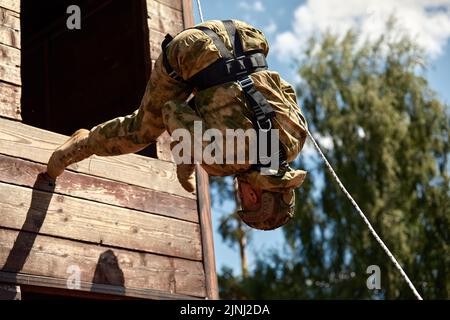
{"x": 127, "y": 134}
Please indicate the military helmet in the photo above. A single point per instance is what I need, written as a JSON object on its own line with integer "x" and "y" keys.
{"x": 273, "y": 212}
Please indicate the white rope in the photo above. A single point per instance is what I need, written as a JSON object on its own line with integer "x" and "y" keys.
{"x": 367, "y": 222}
{"x": 200, "y": 13}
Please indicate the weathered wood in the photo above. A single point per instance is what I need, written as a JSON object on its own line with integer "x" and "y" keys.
{"x": 163, "y": 147}
{"x": 10, "y": 74}
{"x": 10, "y": 64}
{"x": 9, "y": 37}
{"x": 27, "y": 142}
{"x": 21, "y": 172}
{"x": 63, "y": 216}
{"x": 9, "y": 18}
{"x": 9, "y": 56}
{"x": 11, "y": 5}
{"x": 188, "y": 14}
{"x": 52, "y": 257}
{"x": 204, "y": 209}
{"x": 175, "y": 4}
{"x": 55, "y": 286}
{"x": 156, "y": 38}
{"x": 9, "y": 292}
{"x": 10, "y": 101}
{"x": 164, "y": 19}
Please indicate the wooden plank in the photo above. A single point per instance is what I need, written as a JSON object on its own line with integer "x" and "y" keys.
{"x": 164, "y": 19}
{"x": 175, "y": 4}
{"x": 9, "y": 292}
{"x": 9, "y": 56}
{"x": 156, "y": 38}
{"x": 10, "y": 101}
{"x": 51, "y": 257}
{"x": 11, "y": 5}
{"x": 27, "y": 142}
{"x": 10, "y": 74}
{"x": 9, "y": 37}
{"x": 55, "y": 286}
{"x": 24, "y": 173}
{"x": 188, "y": 14}
{"x": 9, "y": 18}
{"x": 72, "y": 218}
{"x": 10, "y": 64}
{"x": 204, "y": 208}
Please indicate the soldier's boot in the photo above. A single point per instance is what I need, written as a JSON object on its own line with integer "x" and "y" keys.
{"x": 186, "y": 177}
{"x": 75, "y": 149}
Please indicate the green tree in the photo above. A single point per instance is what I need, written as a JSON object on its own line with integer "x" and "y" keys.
{"x": 390, "y": 146}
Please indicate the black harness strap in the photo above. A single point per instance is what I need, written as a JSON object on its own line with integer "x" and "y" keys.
{"x": 166, "y": 63}
{"x": 224, "y": 52}
{"x": 235, "y": 39}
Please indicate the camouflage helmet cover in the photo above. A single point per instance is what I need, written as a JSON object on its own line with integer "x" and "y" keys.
{"x": 273, "y": 213}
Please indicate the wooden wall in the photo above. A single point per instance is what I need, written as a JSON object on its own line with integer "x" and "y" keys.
{"x": 166, "y": 16}
{"x": 129, "y": 211}
{"x": 124, "y": 222}
{"x": 10, "y": 81}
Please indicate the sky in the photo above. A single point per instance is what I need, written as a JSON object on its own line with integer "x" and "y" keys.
{"x": 288, "y": 23}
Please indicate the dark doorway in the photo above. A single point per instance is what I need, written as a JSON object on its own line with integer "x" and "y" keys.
{"x": 79, "y": 78}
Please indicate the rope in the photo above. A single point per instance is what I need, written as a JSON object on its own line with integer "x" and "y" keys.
{"x": 366, "y": 221}
{"x": 200, "y": 13}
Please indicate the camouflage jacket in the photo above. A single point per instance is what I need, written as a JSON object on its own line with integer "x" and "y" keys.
{"x": 221, "y": 107}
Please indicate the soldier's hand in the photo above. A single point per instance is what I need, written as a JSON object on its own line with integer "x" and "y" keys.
{"x": 185, "y": 174}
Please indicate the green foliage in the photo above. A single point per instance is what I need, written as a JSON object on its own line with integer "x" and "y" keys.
{"x": 390, "y": 138}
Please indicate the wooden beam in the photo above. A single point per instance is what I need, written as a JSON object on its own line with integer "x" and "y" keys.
{"x": 55, "y": 286}
{"x": 204, "y": 209}
{"x": 188, "y": 14}
{"x": 23, "y": 173}
{"x": 62, "y": 259}
{"x": 11, "y": 5}
{"x": 10, "y": 65}
{"x": 27, "y": 142}
{"x": 9, "y": 37}
{"x": 156, "y": 38}
{"x": 9, "y": 18}
{"x": 10, "y": 101}
{"x": 62, "y": 216}
{"x": 163, "y": 18}
{"x": 175, "y": 4}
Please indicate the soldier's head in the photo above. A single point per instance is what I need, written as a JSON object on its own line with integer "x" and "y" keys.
{"x": 265, "y": 210}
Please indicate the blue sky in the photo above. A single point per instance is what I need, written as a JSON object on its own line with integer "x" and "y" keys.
{"x": 288, "y": 23}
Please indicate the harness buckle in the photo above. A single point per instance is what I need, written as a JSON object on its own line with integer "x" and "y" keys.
{"x": 260, "y": 123}
{"x": 245, "y": 83}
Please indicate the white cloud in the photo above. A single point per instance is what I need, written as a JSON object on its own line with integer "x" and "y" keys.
{"x": 270, "y": 28}
{"x": 427, "y": 21}
{"x": 255, "y": 6}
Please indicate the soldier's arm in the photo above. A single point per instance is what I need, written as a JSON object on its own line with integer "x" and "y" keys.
{"x": 290, "y": 94}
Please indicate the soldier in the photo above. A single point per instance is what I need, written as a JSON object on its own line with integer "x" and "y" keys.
{"x": 222, "y": 63}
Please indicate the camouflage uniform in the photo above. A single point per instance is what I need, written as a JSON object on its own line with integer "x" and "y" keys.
{"x": 221, "y": 107}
